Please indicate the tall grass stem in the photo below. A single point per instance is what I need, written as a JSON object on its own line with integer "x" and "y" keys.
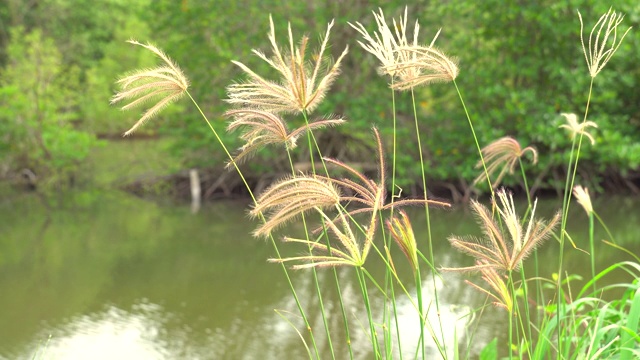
{"x": 571, "y": 175}
{"x": 429, "y": 237}
{"x": 273, "y": 242}
{"x": 475, "y": 138}
{"x": 315, "y": 272}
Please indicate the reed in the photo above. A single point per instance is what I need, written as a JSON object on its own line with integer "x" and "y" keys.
{"x": 355, "y": 210}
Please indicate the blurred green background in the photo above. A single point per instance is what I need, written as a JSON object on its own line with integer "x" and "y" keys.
{"x": 521, "y": 65}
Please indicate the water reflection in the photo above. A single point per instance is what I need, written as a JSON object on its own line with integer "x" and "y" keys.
{"x": 449, "y": 325}
{"x": 121, "y": 278}
{"x": 148, "y": 331}
{"x": 111, "y": 334}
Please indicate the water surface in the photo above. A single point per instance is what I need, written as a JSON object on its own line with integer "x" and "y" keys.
{"x": 111, "y": 276}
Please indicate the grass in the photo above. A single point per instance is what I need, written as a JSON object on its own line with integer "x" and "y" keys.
{"x": 546, "y": 317}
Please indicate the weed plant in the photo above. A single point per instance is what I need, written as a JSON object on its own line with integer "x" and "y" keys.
{"x": 348, "y": 216}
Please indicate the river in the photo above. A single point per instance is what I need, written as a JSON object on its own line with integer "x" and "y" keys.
{"x": 105, "y": 275}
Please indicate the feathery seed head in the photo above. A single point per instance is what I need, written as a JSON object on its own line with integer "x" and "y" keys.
{"x": 348, "y": 251}
{"x": 511, "y": 221}
{"x": 501, "y": 294}
{"x": 408, "y": 64}
{"x": 600, "y": 48}
{"x": 302, "y": 86}
{"x": 428, "y": 65}
{"x": 291, "y": 197}
{"x": 384, "y": 42}
{"x": 499, "y": 250}
{"x": 261, "y": 128}
{"x": 367, "y": 192}
{"x": 163, "y": 84}
{"x": 402, "y": 232}
{"x": 503, "y": 154}
{"x": 582, "y": 195}
{"x": 576, "y": 128}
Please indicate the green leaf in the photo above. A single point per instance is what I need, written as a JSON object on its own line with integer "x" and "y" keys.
{"x": 627, "y": 337}
{"x": 490, "y": 351}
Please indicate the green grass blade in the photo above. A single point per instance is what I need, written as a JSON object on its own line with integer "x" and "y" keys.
{"x": 630, "y": 336}
{"x": 286, "y": 319}
{"x": 490, "y": 351}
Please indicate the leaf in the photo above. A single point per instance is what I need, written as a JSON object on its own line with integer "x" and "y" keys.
{"x": 627, "y": 337}
{"x": 490, "y": 351}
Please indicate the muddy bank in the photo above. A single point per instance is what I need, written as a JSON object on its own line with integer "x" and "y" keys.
{"x": 216, "y": 184}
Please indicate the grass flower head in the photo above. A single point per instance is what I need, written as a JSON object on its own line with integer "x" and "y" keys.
{"x": 500, "y": 249}
{"x": 576, "y": 128}
{"x": 409, "y": 64}
{"x": 163, "y": 84}
{"x": 402, "y": 233}
{"x": 289, "y": 198}
{"x": 303, "y": 84}
{"x": 502, "y": 155}
{"x": 261, "y": 128}
{"x": 500, "y": 294}
{"x": 582, "y": 195}
{"x": 348, "y": 251}
{"x": 367, "y": 192}
{"x": 429, "y": 65}
{"x": 384, "y": 42}
{"x": 603, "y": 41}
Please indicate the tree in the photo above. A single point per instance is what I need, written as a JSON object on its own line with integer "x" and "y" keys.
{"x": 40, "y": 95}
{"x": 521, "y": 66}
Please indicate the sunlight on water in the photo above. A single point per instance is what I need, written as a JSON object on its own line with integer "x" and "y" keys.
{"x": 123, "y": 278}
{"x": 111, "y": 334}
{"x": 454, "y": 318}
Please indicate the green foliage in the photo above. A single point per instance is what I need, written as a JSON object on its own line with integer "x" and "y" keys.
{"x": 630, "y": 333}
{"x": 78, "y": 53}
{"x": 99, "y": 115}
{"x": 490, "y": 351}
{"x": 40, "y": 95}
{"x": 205, "y": 48}
{"x": 521, "y": 66}
{"x": 599, "y": 325}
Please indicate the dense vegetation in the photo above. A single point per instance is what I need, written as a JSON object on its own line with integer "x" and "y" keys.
{"x": 524, "y": 82}
{"x": 359, "y": 217}
{"x": 58, "y": 60}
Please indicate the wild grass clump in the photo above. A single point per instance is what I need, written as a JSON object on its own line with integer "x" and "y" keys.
{"x": 355, "y": 216}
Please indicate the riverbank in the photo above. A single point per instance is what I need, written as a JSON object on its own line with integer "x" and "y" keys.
{"x": 128, "y": 278}
{"x": 145, "y": 166}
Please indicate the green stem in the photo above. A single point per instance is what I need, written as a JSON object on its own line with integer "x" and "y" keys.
{"x": 367, "y": 304}
{"x": 475, "y": 138}
{"x": 387, "y": 241}
{"x": 526, "y": 329}
{"x": 511, "y": 335}
{"x": 571, "y": 174}
{"x": 393, "y": 166}
{"x": 539, "y": 293}
{"x": 343, "y": 311}
{"x": 429, "y": 237}
{"x": 273, "y": 242}
{"x": 313, "y": 143}
{"x": 526, "y": 187}
{"x": 575, "y": 165}
{"x": 418, "y": 281}
{"x": 606, "y": 229}
{"x": 592, "y": 252}
{"x": 389, "y": 288}
{"x": 315, "y": 273}
{"x": 392, "y": 292}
